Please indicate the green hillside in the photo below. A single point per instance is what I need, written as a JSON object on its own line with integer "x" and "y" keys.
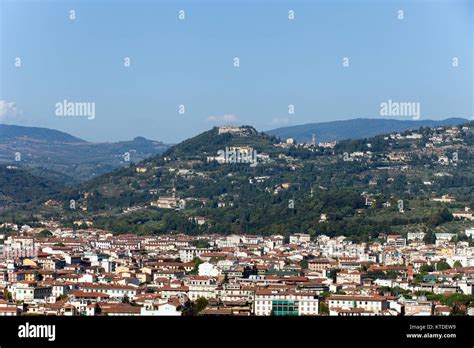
{"x": 353, "y": 189}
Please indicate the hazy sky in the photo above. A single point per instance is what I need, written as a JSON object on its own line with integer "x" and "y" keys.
{"x": 190, "y": 62}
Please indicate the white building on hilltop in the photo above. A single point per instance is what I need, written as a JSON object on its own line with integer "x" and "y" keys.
{"x": 233, "y": 130}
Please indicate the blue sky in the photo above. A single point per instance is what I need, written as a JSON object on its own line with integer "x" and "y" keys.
{"x": 190, "y": 62}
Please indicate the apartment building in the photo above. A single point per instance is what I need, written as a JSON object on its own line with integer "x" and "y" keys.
{"x": 284, "y": 302}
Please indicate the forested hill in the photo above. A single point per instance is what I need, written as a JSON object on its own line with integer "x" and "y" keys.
{"x": 209, "y": 142}
{"x": 352, "y": 188}
{"x": 20, "y": 187}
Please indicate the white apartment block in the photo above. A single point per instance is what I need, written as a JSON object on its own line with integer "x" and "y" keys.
{"x": 201, "y": 287}
{"x": 374, "y": 304}
{"x": 29, "y": 293}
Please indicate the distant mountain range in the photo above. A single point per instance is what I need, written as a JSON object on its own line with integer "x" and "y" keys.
{"x": 65, "y": 158}
{"x": 358, "y": 128}
{"x": 15, "y": 133}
